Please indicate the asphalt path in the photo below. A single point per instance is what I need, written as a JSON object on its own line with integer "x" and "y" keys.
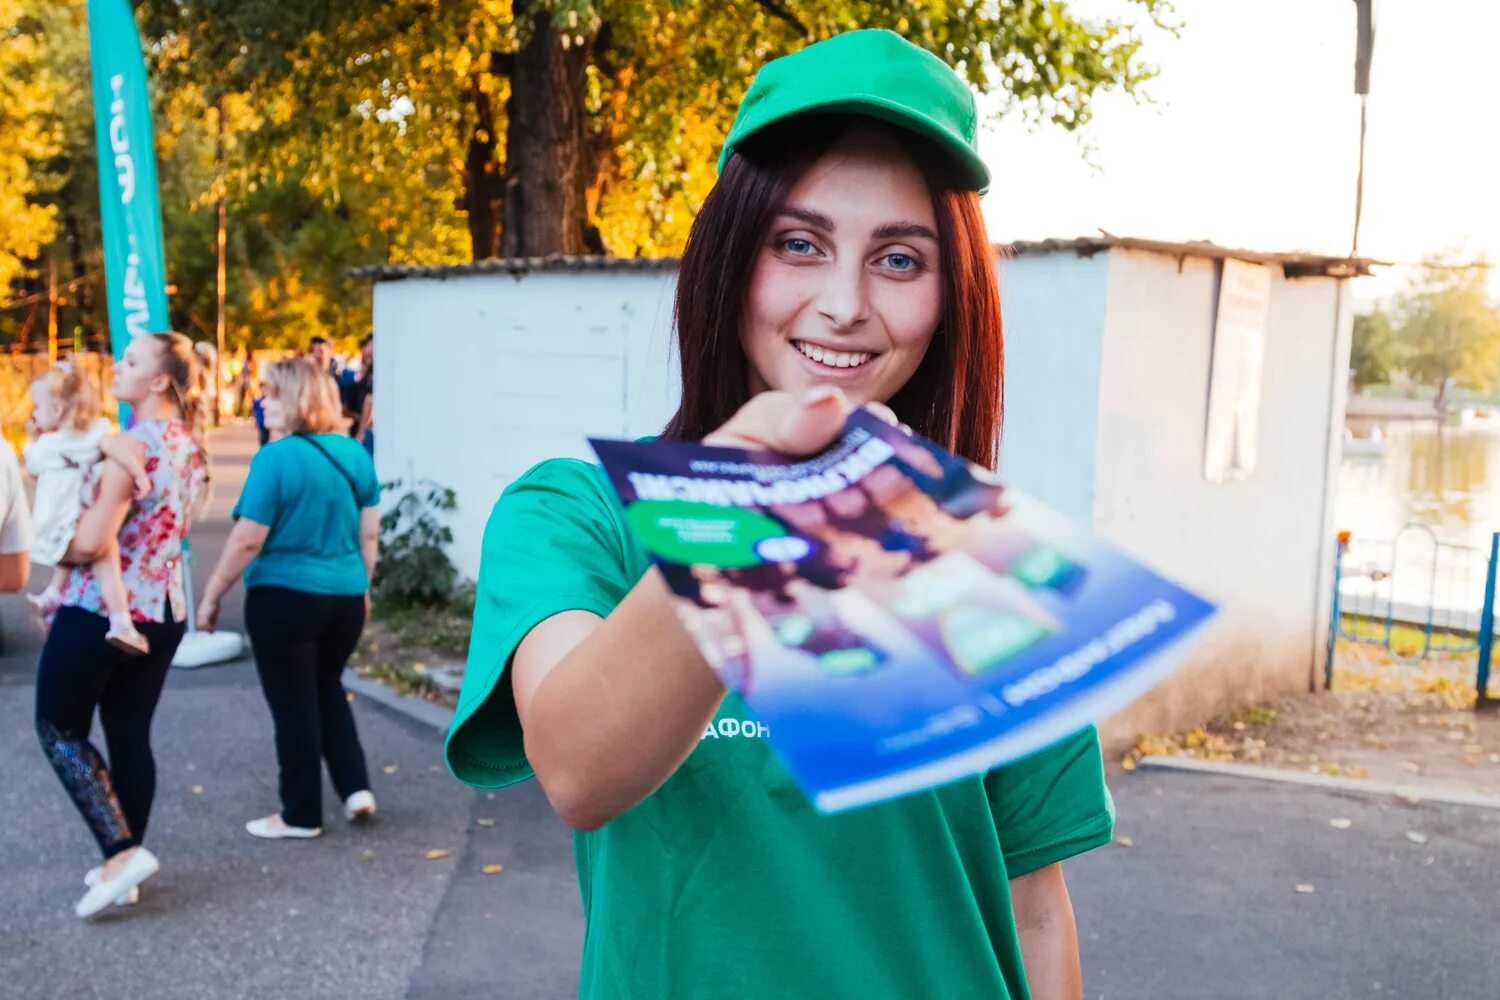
{"x": 1202, "y": 903}
{"x": 360, "y": 912}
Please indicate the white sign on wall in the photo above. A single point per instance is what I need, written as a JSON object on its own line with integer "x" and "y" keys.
{"x": 1234, "y": 386}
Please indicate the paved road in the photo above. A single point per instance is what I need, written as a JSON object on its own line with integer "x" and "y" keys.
{"x": 1203, "y": 905}
{"x": 357, "y": 913}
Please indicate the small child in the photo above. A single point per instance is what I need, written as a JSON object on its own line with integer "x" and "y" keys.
{"x": 70, "y": 438}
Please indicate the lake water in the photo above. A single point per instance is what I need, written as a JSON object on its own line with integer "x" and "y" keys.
{"x": 1447, "y": 480}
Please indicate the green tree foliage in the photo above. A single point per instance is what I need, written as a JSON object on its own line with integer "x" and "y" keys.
{"x": 564, "y": 125}
{"x": 1376, "y": 351}
{"x": 30, "y": 141}
{"x": 419, "y": 131}
{"x": 1448, "y": 329}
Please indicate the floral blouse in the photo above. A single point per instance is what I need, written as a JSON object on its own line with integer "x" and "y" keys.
{"x": 152, "y": 535}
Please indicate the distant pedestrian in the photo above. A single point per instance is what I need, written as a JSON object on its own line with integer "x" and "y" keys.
{"x": 305, "y": 538}
{"x": 320, "y": 352}
{"x": 361, "y": 402}
{"x": 258, "y": 410}
{"x": 213, "y": 398}
{"x": 79, "y": 671}
{"x": 244, "y": 381}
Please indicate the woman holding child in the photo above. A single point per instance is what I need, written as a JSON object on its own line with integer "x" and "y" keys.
{"x": 91, "y": 659}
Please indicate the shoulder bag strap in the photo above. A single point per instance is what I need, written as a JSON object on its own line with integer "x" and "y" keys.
{"x": 353, "y": 489}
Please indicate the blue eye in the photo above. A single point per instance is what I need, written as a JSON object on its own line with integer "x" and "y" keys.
{"x": 901, "y": 262}
{"x": 798, "y": 247}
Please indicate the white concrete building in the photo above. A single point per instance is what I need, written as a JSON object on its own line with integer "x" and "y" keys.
{"x": 1215, "y": 466}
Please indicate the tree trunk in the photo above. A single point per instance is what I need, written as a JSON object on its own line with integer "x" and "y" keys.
{"x": 544, "y": 155}
{"x": 82, "y": 299}
{"x": 482, "y": 187}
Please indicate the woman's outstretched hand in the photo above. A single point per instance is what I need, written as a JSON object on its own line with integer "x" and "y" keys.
{"x": 795, "y": 425}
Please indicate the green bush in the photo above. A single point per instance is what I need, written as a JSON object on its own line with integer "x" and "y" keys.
{"x": 414, "y": 566}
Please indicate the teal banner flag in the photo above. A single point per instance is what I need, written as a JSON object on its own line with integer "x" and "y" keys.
{"x": 135, "y": 268}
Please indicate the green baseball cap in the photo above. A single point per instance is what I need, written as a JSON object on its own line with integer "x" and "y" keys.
{"x": 874, "y": 73}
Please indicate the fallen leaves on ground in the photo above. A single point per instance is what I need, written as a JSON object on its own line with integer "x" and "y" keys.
{"x": 1304, "y": 888}
{"x": 437, "y": 854}
{"x": 390, "y": 769}
{"x": 366, "y": 855}
{"x": 1383, "y": 718}
{"x": 1341, "y": 824}
{"x": 485, "y": 821}
{"x": 1125, "y": 841}
{"x": 493, "y": 869}
{"x": 1415, "y": 837}
{"x": 197, "y": 789}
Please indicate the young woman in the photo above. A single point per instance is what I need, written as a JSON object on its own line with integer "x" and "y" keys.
{"x": 307, "y": 527}
{"x": 80, "y": 671}
{"x": 841, "y": 260}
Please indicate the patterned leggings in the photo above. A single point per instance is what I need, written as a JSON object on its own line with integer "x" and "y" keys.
{"x": 78, "y": 673}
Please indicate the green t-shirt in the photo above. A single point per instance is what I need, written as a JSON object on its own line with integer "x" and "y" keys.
{"x": 313, "y": 513}
{"x": 725, "y": 882}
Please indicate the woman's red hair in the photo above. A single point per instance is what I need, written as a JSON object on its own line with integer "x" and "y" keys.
{"x": 955, "y": 395}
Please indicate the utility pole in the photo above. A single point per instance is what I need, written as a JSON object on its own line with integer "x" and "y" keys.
{"x": 1364, "y": 49}
{"x": 220, "y": 282}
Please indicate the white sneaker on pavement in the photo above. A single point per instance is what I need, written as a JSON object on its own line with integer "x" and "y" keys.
{"x": 281, "y": 831}
{"x": 141, "y": 866}
{"x": 93, "y": 875}
{"x": 359, "y": 806}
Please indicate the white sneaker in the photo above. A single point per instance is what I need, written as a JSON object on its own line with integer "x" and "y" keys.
{"x": 141, "y": 866}
{"x": 93, "y": 875}
{"x": 262, "y": 828}
{"x": 360, "y": 805}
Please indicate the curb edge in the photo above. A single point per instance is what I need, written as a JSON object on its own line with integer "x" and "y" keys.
{"x": 1455, "y": 797}
{"x": 425, "y": 712}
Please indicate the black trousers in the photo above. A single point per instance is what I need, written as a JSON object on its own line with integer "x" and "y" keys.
{"x": 78, "y": 673}
{"x": 302, "y": 642}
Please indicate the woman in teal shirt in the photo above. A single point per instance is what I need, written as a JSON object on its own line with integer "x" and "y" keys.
{"x": 840, "y": 260}
{"x": 306, "y": 533}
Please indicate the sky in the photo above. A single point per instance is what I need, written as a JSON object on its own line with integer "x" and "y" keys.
{"x": 1253, "y": 138}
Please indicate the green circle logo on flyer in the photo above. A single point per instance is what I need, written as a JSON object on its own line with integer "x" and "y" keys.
{"x": 701, "y": 533}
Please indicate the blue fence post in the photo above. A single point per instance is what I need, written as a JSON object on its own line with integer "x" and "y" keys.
{"x": 1335, "y": 610}
{"x": 1487, "y": 628}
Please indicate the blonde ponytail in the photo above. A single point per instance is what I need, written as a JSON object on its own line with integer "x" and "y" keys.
{"x": 179, "y": 362}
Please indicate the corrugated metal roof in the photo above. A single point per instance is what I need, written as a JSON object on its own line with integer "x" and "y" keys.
{"x": 1294, "y": 265}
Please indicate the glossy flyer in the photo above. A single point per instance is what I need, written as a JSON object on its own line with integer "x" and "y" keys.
{"x": 896, "y": 617}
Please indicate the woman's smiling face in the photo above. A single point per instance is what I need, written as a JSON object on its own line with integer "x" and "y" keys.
{"x": 847, "y": 287}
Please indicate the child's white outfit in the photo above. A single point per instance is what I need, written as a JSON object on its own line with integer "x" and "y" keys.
{"x": 60, "y": 461}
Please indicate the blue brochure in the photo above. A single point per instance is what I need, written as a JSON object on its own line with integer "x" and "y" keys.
{"x": 895, "y": 616}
